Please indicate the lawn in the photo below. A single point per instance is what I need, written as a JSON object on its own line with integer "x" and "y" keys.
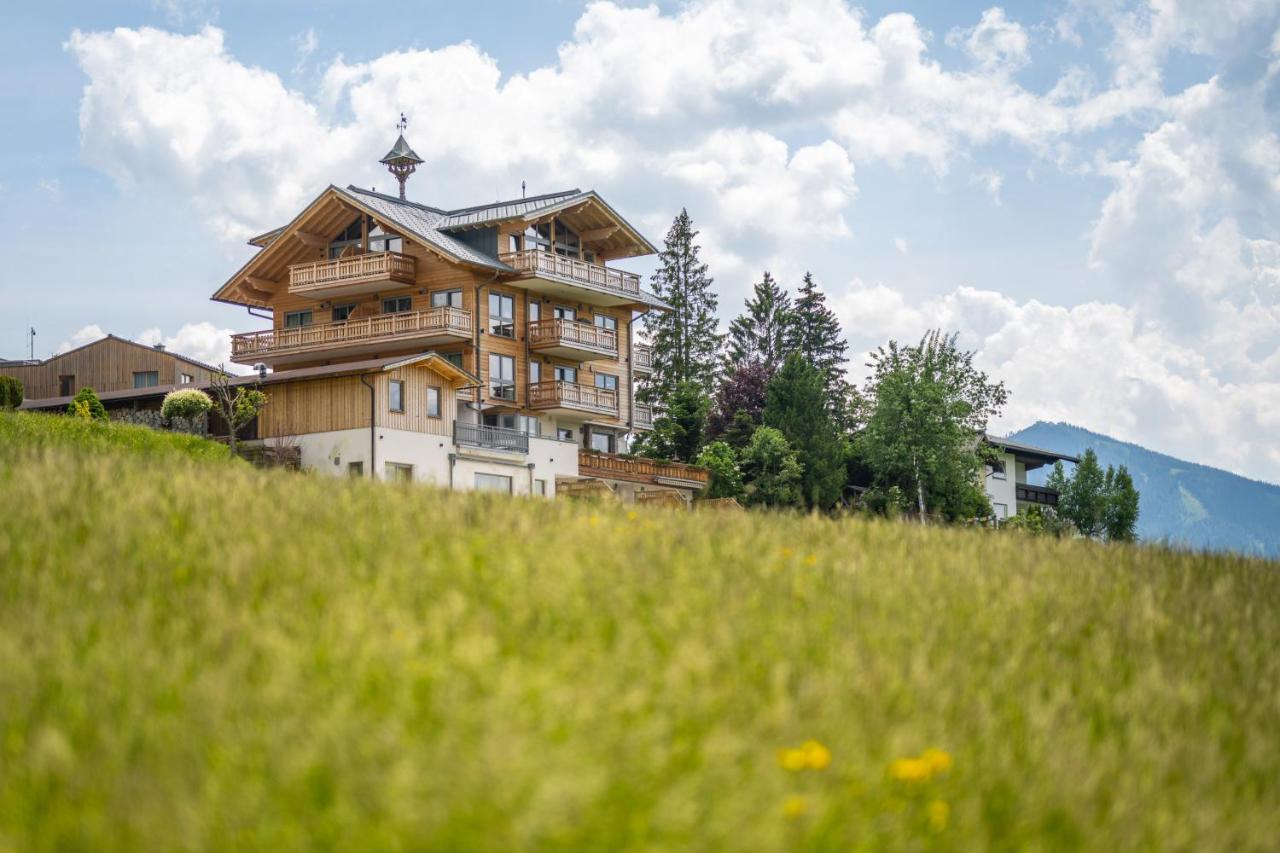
{"x": 195, "y": 654}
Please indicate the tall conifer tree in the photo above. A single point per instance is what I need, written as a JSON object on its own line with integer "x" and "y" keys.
{"x": 686, "y": 339}
{"x": 761, "y": 333}
{"x": 814, "y": 332}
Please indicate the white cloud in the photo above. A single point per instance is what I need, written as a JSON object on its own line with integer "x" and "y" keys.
{"x": 994, "y": 42}
{"x": 202, "y": 341}
{"x": 900, "y": 243}
{"x": 304, "y": 45}
{"x": 1095, "y": 364}
{"x": 179, "y": 13}
{"x": 51, "y": 187}
{"x": 82, "y": 336}
{"x": 991, "y": 181}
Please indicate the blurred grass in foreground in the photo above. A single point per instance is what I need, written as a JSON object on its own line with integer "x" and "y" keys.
{"x": 195, "y": 654}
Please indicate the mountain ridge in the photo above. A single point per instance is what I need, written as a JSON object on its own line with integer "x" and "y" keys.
{"x": 1183, "y": 503}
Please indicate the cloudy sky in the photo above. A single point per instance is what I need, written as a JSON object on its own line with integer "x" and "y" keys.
{"x": 1088, "y": 190}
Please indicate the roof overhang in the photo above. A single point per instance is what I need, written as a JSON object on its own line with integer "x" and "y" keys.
{"x": 1035, "y": 457}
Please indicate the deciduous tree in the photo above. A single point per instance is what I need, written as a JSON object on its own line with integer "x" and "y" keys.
{"x": 926, "y": 413}
{"x": 770, "y": 470}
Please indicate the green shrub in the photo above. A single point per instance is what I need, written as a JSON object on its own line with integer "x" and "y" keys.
{"x": 726, "y": 478}
{"x": 187, "y": 403}
{"x": 10, "y": 392}
{"x": 92, "y": 408}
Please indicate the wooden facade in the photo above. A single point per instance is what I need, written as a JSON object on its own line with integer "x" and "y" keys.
{"x": 108, "y": 364}
{"x": 320, "y": 316}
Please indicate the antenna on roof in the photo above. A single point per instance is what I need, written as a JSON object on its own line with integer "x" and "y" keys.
{"x": 31, "y": 333}
{"x": 522, "y": 189}
{"x": 401, "y": 160}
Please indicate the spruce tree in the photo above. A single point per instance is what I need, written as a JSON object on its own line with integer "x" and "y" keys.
{"x": 795, "y": 405}
{"x": 685, "y": 339}
{"x": 761, "y": 333}
{"x": 814, "y": 332}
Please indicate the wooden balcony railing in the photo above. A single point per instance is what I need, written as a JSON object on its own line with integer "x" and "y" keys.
{"x": 555, "y": 394}
{"x": 573, "y": 333}
{"x": 642, "y": 357}
{"x": 643, "y": 416}
{"x": 611, "y": 466}
{"x": 598, "y": 276}
{"x": 389, "y": 327}
{"x": 357, "y": 269}
{"x": 1037, "y": 494}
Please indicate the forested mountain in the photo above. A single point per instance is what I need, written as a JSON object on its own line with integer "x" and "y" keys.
{"x": 1182, "y": 502}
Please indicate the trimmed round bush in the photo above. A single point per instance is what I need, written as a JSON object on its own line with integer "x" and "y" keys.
{"x": 185, "y": 403}
{"x": 87, "y": 405}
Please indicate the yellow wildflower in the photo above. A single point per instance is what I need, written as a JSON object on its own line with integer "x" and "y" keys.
{"x": 909, "y": 770}
{"x": 786, "y": 552}
{"x": 817, "y": 756}
{"x": 794, "y": 760}
{"x": 939, "y": 812}
{"x": 593, "y": 520}
{"x": 632, "y": 515}
{"x": 811, "y": 560}
{"x": 795, "y": 806}
{"x": 938, "y": 760}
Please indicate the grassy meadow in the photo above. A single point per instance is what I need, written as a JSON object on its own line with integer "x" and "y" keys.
{"x": 198, "y": 655}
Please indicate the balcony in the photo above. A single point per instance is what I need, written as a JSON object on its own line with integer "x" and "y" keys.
{"x": 385, "y": 332}
{"x": 570, "y": 278}
{"x": 570, "y": 397}
{"x": 642, "y": 417}
{"x": 368, "y": 273}
{"x": 490, "y": 437}
{"x": 610, "y": 466}
{"x": 642, "y": 359}
{"x": 573, "y": 340}
{"x": 1036, "y": 495}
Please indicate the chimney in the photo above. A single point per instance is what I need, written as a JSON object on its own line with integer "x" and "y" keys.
{"x": 159, "y": 347}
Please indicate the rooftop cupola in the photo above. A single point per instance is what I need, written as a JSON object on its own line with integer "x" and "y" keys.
{"x": 401, "y": 160}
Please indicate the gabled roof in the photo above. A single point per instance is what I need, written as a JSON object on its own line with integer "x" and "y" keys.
{"x": 422, "y": 222}
{"x": 483, "y": 214}
{"x": 436, "y": 362}
{"x": 117, "y": 338}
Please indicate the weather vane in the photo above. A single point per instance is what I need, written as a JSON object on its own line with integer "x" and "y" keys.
{"x": 402, "y": 124}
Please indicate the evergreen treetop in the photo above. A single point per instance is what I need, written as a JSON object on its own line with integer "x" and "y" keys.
{"x": 761, "y": 333}
{"x": 685, "y": 339}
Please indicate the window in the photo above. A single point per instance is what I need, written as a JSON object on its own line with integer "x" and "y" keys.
{"x": 379, "y": 239}
{"x": 519, "y": 423}
{"x": 398, "y": 472}
{"x": 185, "y": 379}
{"x": 560, "y": 312}
{"x": 342, "y": 313}
{"x": 607, "y": 381}
{"x": 535, "y": 371}
{"x": 564, "y": 373}
{"x": 348, "y": 239}
{"x": 502, "y": 376}
{"x": 602, "y": 442}
{"x": 446, "y": 299}
{"x": 297, "y": 319}
{"x": 355, "y": 470}
{"x": 66, "y": 385}
{"x": 997, "y": 471}
{"x": 514, "y": 243}
{"x": 540, "y": 487}
{"x": 539, "y": 237}
{"x": 146, "y": 378}
{"x": 433, "y": 401}
{"x": 502, "y": 316}
{"x": 382, "y": 241}
{"x": 604, "y": 321}
{"x": 397, "y": 304}
{"x": 493, "y": 483}
{"x": 1001, "y": 511}
{"x": 535, "y": 311}
{"x": 395, "y": 396}
{"x": 564, "y": 434}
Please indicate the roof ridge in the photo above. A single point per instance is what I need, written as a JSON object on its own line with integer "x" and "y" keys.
{"x": 397, "y": 200}
{"x": 501, "y": 202}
